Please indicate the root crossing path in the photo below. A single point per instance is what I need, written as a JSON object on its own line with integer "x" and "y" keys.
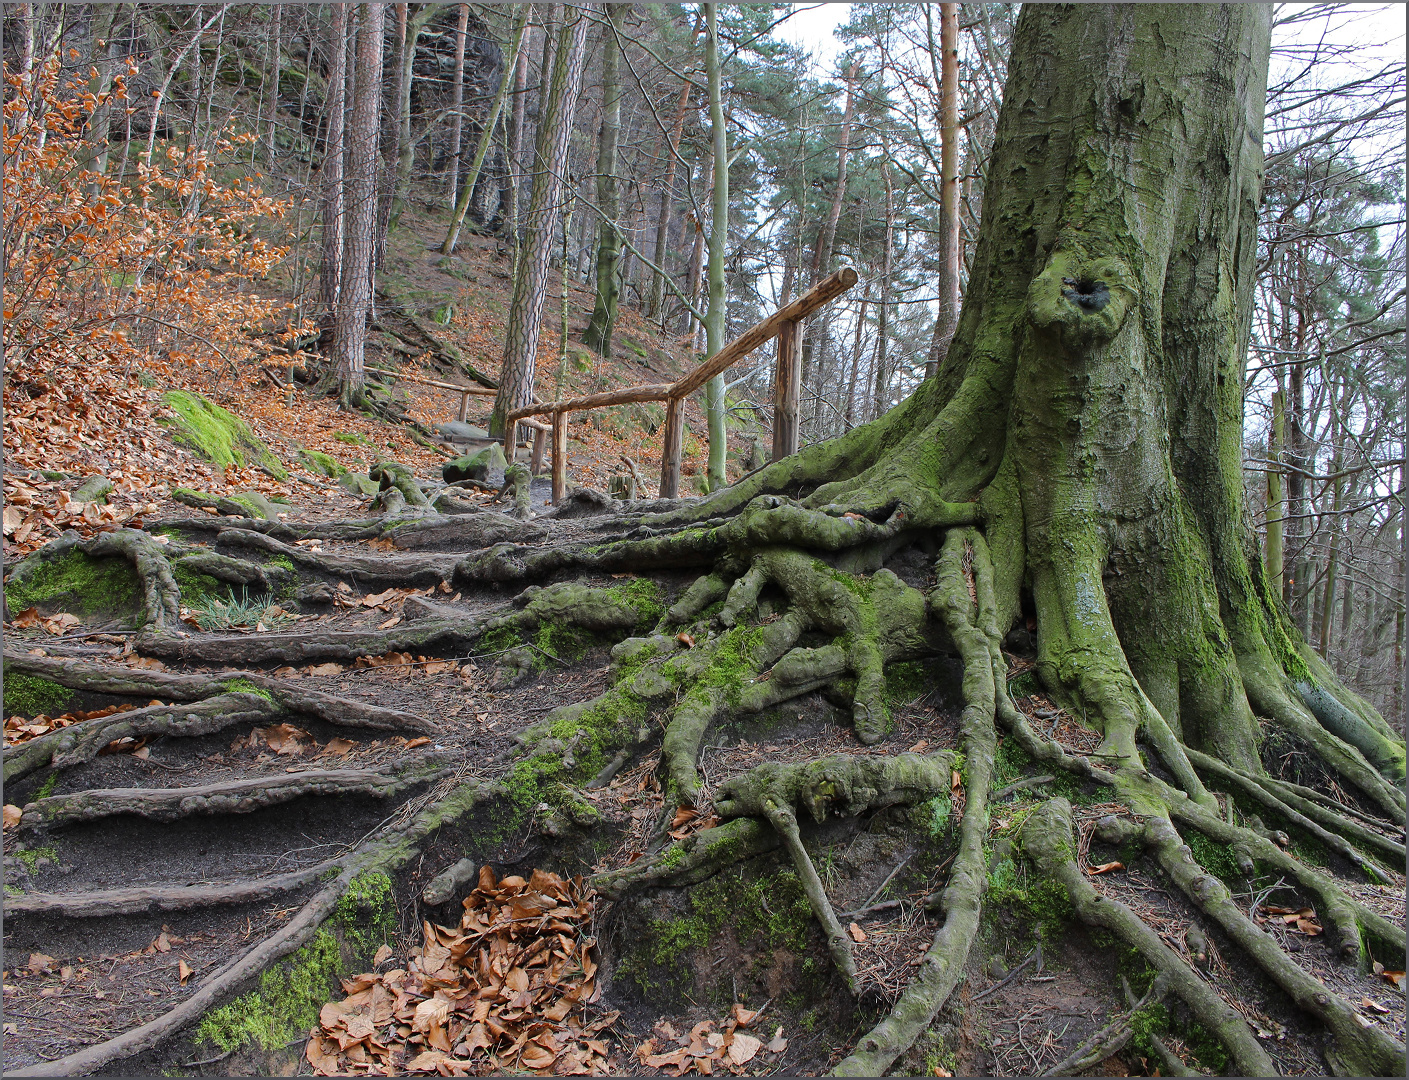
{"x": 209, "y": 826}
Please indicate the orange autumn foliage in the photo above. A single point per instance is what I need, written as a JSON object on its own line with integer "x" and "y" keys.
{"x": 144, "y": 274}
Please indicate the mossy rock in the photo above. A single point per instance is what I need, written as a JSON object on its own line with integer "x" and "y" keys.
{"x": 357, "y": 484}
{"x": 217, "y": 435}
{"x": 476, "y": 466}
{"x": 94, "y": 489}
{"x": 322, "y": 464}
{"x": 58, "y": 577}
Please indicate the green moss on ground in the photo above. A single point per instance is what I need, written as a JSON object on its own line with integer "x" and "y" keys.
{"x": 197, "y": 586}
{"x": 323, "y": 464}
{"x": 765, "y": 914}
{"x": 75, "y": 583}
{"x": 30, "y": 857}
{"x": 47, "y": 788}
{"x": 905, "y": 681}
{"x": 242, "y": 685}
{"x": 30, "y": 695}
{"x": 289, "y": 996}
{"x": 1216, "y": 858}
{"x": 217, "y": 435}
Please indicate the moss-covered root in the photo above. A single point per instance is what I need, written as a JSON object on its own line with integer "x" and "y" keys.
{"x": 517, "y": 478}
{"x": 1344, "y": 916}
{"x": 1111, "y": 1039}
{"x": 782, "y": 818}
{"x": 841, "y": 783}
{"x": 393, "y": 476}
{"x": 723, "y": 670}
{"x": 688, "y": 862}
{"x": 972, "y": 620}
{"x": 1047, "y": 840}
{"x": 1332, "y": 840}
{"x": 161, "y": 597}
{"x": 1358, "y": 1050}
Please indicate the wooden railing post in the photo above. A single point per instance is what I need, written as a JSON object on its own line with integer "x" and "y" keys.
{"x": 540, "y": 438}
{"x": 560, "y": 455}
{"x": 786, "y": 378}
{"x": 464, "y": 408}
{"x": 672, "y": 439}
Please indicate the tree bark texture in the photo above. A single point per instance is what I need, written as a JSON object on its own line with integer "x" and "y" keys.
{"x": 555, "y": 122}
{"x": 355, "y": 296}
{"x": 718, "y": 238}
{"x": 598, "y": 335}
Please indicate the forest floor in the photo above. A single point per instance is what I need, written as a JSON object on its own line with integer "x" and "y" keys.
{"x": 730, "y": 976}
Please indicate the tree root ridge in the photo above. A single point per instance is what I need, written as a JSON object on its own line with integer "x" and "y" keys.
{"x": 147, "y": 899}
{"x": 1280, "y": 805}
{"x": 231, "y": 797}
{"x": 841, "y": 783}
{"x": 1360, "y": 1051}
{"x": 972, "y": 623}
{"x": 137, "y": 682}
{"x": 387, "y": 853}
{"x": 83, "y": 741}
{"x": 1047, "y": 839}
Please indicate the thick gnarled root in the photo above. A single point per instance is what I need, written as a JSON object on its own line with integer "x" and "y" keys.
{"x": 971, "y": 617}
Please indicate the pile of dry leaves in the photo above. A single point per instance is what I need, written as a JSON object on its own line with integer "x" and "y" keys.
{"x": 506, "y": 990}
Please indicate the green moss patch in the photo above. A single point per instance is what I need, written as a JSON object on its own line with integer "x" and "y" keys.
{"x": 75, "y": 583}
{"x": 290, "y": 995}
{"x": 216, "y": 434}
{"x": 30, "y": 695}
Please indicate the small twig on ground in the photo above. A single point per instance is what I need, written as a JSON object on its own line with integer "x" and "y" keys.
{"x": 1035, "y": 955}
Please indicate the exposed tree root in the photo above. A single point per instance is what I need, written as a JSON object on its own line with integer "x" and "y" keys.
{"x": 145, "y": 899}
{"x": 1047, "y": 839}
{"x": 1258, "y": 793}
{"x": 1359, "y": 1050}
{"x": 231, "y": 797}
{"x": 137, "y": 682}
{"x": 386, "y": 853}
{"x": 688, "y": 862}
{"x": 83, "y": 741}
{"x": 1110, "y": 1040}
{"x": 971, "y": 619}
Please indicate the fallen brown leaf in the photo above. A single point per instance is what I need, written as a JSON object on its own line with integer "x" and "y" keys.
{"x": 857, "y": 934}
{"x": 12, "y": 815}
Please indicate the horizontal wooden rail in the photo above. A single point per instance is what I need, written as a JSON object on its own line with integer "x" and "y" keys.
{"x": 625, "y": 396}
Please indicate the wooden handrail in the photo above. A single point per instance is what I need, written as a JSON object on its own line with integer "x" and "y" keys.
{"x": 624, "y": 396}
{"x": 827, "y": 289}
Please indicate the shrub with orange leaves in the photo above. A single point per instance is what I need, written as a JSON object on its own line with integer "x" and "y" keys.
{"x": 145, "y": 275}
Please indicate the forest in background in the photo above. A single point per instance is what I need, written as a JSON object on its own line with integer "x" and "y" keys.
{"x": 297, "y": 211}
{"x": 210, "y": 127}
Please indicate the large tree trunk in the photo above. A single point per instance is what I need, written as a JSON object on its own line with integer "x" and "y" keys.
{"x": 555, "y": 119}
{"x": 598, "y": 334}
{"x": 457, "y": 119}
{"x": 355, "y": 295}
